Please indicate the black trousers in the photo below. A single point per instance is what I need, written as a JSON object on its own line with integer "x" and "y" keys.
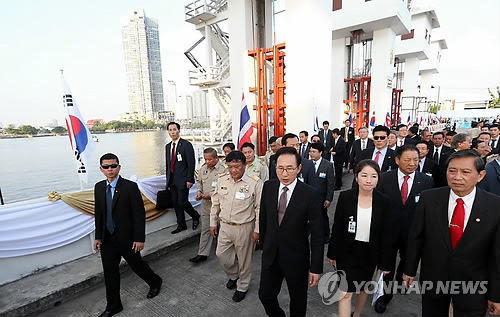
{"x": 112, "y": 250}
{"x": 464, "y": 305}
{"x": 326, "y": 224}
{"x": 180, "y": 198}
{"x": 270, "y": 286}
{"x": 399, "y": 245}
{"x": 338, "y": 163}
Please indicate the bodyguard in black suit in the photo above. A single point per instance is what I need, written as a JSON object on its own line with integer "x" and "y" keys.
{"x": 386, "y": 157}
{"x": 180, "y": 161}
{"x": 325, "y": 136}
{"x": 403, "y": 137}
{"x": 426, "y": 165}
{"x": 438, "y": 148}
{"x": 304, "y": 144}
{"x": 403, "y": 186}
{"x": 358, "y": 146}
{"x": 120, "y": 232}
{"x": 338, "y": 153}
{"x": 290, "y": 211}
{"x": 326, "y": 183}
{"x": 491, "y": 181}
{"x": 455, "y": 236}
{"x": 347, "y": 132}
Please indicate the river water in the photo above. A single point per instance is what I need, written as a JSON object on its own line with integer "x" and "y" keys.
{"x": 32, "y": 167}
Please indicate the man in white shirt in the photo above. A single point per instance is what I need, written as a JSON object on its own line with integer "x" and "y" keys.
{"x": 304, "y": 144}
{"x": 494, "y": 138}
{"x": 438, "y": 147}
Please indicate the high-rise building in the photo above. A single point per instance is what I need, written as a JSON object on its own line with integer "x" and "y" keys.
{"x": 141, "y": 46}
{"x": 171, "y": 96}
{"x": 184, "y": 109}
{"x": 200, "y": 106}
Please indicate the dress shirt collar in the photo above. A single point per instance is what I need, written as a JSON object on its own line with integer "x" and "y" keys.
{"x": 401, "y": 175}
{"x": 468, "y": 199}
{"x": 113, "y": 183}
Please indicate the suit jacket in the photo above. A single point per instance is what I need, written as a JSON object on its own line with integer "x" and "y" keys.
{"x": 431, "y": 167}
{"x": 184, "y": 168}
{"x": 403, "y": 215}
{"x": 380, "y": 244}
{"x": 306, "y": 173}
{"x": 325, "y": 180}
{"x": 442, "y": 180}
{"x": 416, "y": 138}
{"x": 128, "y": 211}
{"x": 329, "y": 142}
{"x": 355, "y": 153}
{"x": 290, "y": 239}
{"x": 339, "y": 148}
{"x": 351, "y": 135}
{"x": 389, "y": 159}
{"x": 475, "y": 257}
{"x": 445, "y": 149}
{"x": 306, "y": 153}
{"x": 491, "y": 182}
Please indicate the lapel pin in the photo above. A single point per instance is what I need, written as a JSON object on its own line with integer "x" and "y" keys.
{"x": 478, "y": 220}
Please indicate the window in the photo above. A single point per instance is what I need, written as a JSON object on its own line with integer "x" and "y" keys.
{"x": 337, "y": 5}
{"x": 408, "y": 36}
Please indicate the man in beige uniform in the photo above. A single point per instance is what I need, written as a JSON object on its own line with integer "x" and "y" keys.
{"x": 206, "y": 183}
{"x": 236, "y": 203}
{"x": 255, "y": 167}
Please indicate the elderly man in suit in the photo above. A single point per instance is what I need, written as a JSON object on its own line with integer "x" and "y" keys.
{"x": 491, "y": 181}
{"x": 358, "y": 146}
{"x": 380, "y": 153}
{"x": 403, "y": 186}
{"x": 180, "y": 176}
{"x": 326, "y": 182}
{"x": 325, "y": 136}
{"x": 291, "y": 232}
{"x": 347, "y": 132}
{"x": 403, "y": 137}
{"x": 455, "y": 236}
{"x": 120, "y": 223}
{"x": 426, "y": 165}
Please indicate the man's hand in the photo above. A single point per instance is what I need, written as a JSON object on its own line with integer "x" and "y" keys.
{"x": 332, "y": 262}
{"x": 198, "y": 196}
{"x": 206, "y": 196}
{"x": 213, "y": 231}
{"x": 327, "y": 204}
{"x": 385, "y": 272}
{"x": 334, "y": 153}
{"x": 493, "y": 308}
{"x": 313, "y": 279}
{"x": 189, "y": 185}
{"x": 408, "y": 280}
{"x": 351, "y": 171}
{"x": 97, "y": 245}
{"x": 255, "y": 237}
{"x": 137, "y": 246}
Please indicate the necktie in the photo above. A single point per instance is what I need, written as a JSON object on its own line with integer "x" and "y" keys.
{"x": 282, "y": 205}
{"x": 436, "y": 156}
{"x": 345, "y": 134}
{"x": 457, "y": 223}
{"x": 377, "y": 156}
{"x": 493, "y": 143}
{"x": 109, "y": 210}
{"x": 316, "y": 165}
{"x": 324, "y": 138}
{"x": 303, "y": 150}
{"x": 420, "y": 166}
{"x": 172, "y": 158}
{"x": 404, "y": 189}
{"x": 363, "y": 145}
{"x": 400, "y": 142}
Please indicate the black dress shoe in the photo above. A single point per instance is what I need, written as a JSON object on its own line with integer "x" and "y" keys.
{"x": 337, "y": 188}
{"x": 239, "y": 296}
{"x": 109, "y": 313}
{"x": 196, "y": 223}
{"x": 153, "y": 291}
{"x": 231, "y": 284}
{"x": 179, "y": 229}
{"x": 198, "y": 259}
{"x": 380, "y": 306}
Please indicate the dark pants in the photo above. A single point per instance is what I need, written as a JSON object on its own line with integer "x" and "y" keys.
{"x": 464, "y": 305}
{"x": 270, "y": 286}
{"x": 181, "y": 202}
{"x": 348, "y": 151}
{"x": 326, "y": 225}
{"x": 338, "y": 163}
{"x": 399, "y": 245}
{"x": 112, "y": 250}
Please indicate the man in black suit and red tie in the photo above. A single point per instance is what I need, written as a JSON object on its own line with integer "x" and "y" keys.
{"x": 120, "y": 222}
{"x": 381, "y": 154}
{"x": 455, "y": 236}
{"x": 290, "y": 212}
{"x": 347, "y": 132}
{"x": 180, "y": 176}
{"x": 403, "y": 186}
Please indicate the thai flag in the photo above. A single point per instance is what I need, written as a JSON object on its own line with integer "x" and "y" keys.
{"x": 388, "y": 120}
{"x": 245, "y": 124}
{"x": 79, "y": 136}
{"x": 408, "y": 121}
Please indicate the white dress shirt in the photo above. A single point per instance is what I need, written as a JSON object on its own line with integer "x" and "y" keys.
{"x": 439, "y": 149}
{"x": 316, "y": 164}
{"x": 364, "y": 221}
{"x": 421, "y": 164}
{"x": 400, "y": 142}
{"x": 401, "y": 179}
{"x": 289, "y": 193}
{"x": 468, "y": 202}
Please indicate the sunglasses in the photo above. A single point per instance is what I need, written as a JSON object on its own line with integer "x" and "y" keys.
{"x": 108, "y": 166}
{"x": 381, "y": 137}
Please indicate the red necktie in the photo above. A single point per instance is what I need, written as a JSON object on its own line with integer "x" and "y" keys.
{"x": 172, "y": 158}
{"x": 404, "y": 189}
{"x": 457, "y": 223}
{"x": 377, "y": 156}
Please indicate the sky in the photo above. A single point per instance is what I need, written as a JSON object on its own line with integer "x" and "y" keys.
{"x": 84, "y": 38}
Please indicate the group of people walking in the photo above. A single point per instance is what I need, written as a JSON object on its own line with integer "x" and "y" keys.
{"x": 411, "y": 201}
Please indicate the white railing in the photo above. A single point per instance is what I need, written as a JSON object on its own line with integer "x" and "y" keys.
{"x": 199, "y": 7}
{"x": 204, "y": 75}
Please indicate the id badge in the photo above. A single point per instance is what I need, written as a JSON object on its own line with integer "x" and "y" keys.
{"x": 179, "y": 157}
{"x": 239, "y": 196}
{"x": 417, "y": 198}
{"x": 351, "y": 227}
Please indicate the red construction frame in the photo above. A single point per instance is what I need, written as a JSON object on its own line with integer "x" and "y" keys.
{"x": 358, "y": 94}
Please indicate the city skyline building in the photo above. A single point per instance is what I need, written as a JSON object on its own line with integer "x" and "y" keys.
{"x": 141, "y": 48}
{"x": 171, "y": 95}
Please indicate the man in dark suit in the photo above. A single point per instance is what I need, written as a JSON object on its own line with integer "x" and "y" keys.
{"x": 459, "y": 142}
{"x": 438, "y": 148}
{"x": 347, "y": 132}
{"x": 338, "y": 153}
{"x": 426, "y": 165}
{"x": 403, "y": 186}
{"x": 325, "y": 136}
{"x": 120, "y": 222}
{"x": 306, "y": 173}
{"x": 180, "y": 176}
{"x": 455, "y": 236}
{"x": 403, "y": 137}
{"x": 384, "y": 156}
{"x": 290, "y": 211}
{"x": 325, "y": 181}
{"x": 358, "y": 146}
{"x": 304, "y": 144}
{"x": 491, "y": 182}
{"x": 413, "y": 134}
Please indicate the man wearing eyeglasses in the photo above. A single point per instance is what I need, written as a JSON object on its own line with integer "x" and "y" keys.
{"x": 120, "y": 232}
{"x": 381, "y": 154}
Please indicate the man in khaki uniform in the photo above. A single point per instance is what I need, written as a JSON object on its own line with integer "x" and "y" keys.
{"x": 255, "y": 167}
{"x": 273, "y": 148}
{"x": 236, "y": 203}
{"x": 206, "y": 183}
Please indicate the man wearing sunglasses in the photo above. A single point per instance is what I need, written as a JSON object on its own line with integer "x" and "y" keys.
{"x": 120, "y": 232}
{"x": 381, "y": 154}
